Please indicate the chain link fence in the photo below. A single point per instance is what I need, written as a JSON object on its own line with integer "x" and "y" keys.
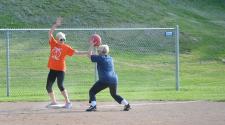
{"x": 145, "y": 59}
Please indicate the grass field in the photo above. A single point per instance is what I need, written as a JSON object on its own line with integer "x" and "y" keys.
{"x": 149, "y": 77}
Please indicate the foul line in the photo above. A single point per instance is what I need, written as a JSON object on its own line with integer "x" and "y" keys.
{"x": 150, "y": 103}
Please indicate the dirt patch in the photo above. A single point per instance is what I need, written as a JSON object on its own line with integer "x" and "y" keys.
{"x": 110, "y": 113}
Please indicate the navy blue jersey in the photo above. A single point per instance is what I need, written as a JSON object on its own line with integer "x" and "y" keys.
{"x": 105, "y": 68}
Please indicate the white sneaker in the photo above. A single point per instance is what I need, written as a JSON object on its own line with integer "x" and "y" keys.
{"x": 68, "y": 105}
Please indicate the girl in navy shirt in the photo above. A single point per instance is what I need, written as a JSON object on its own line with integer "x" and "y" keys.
{"x": 107, "y": 77}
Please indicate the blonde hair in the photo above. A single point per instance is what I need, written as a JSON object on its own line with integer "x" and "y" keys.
{"x": 103, "y": 49}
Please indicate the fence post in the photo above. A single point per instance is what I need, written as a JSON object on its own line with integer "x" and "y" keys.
{"x": 7, "y": 63}
{"x": 177, "y": 60}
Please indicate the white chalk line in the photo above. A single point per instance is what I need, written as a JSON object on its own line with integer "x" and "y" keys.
{"x": 150, "y": 103}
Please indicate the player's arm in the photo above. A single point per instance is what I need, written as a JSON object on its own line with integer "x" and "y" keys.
{"x": 80, "y": 52}
{"x": 71, "y": 51}
{"x": 90, "y": 50}
{"x": 54, "y": 26}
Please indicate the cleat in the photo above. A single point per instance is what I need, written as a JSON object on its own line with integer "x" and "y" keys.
{"x": 127, "y": 107}
{"x": 91, "y": 108}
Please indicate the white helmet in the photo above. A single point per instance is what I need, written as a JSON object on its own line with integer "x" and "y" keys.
{"x": 61, "y": 35}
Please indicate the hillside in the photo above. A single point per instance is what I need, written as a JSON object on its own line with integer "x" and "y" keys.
{"x": 202, "y": 23}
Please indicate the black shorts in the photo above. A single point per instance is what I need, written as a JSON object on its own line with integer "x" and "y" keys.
{"x": 52, "y": 75}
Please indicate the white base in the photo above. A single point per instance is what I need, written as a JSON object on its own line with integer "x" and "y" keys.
{"x": 57, "y": 106}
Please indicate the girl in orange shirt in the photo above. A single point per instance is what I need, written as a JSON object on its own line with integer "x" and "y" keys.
{"x": 57, "y": 65}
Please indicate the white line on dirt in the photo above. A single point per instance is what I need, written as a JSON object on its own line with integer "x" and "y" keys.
{"x": 150, "y": 103}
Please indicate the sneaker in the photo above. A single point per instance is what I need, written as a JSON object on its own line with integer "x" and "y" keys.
{"x": 51, "y": 104}
{"x": 68, "y": 105}
{"x": 91, "y": 108}
{"x": 127, "y": 107}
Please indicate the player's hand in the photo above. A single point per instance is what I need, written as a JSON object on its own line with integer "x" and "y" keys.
{"x": 58, "y": 21}
{"x": 92, "y": 44}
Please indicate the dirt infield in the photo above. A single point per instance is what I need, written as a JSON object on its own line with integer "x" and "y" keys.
{"x": 110, "y": 113}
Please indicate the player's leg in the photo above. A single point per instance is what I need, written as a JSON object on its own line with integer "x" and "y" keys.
{"x": 96, "y": 88}
{"x": 60, "y": 80}
{"x": 113, "y": 92}
{"x": 50, "y": 80}
{"x": 118, "y": 98}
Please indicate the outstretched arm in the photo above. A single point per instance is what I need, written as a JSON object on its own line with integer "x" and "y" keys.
{"x": 90, "y": 50}
{"x": 54, "y": 26}
{"x": 81, "y": 52}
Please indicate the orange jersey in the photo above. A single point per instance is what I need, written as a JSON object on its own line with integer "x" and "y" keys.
{"x": 58, "y": 55}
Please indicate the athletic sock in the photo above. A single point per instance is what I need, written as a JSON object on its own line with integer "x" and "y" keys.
{"x": 124, "y": 102}
{"x": 93, "y": 103}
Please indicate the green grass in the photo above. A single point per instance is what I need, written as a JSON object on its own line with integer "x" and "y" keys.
{"x": 137, "y": 81}
{"x": 202, "y": 46}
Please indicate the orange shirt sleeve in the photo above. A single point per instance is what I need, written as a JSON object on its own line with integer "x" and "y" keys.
{"x": 70, "y": 51}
